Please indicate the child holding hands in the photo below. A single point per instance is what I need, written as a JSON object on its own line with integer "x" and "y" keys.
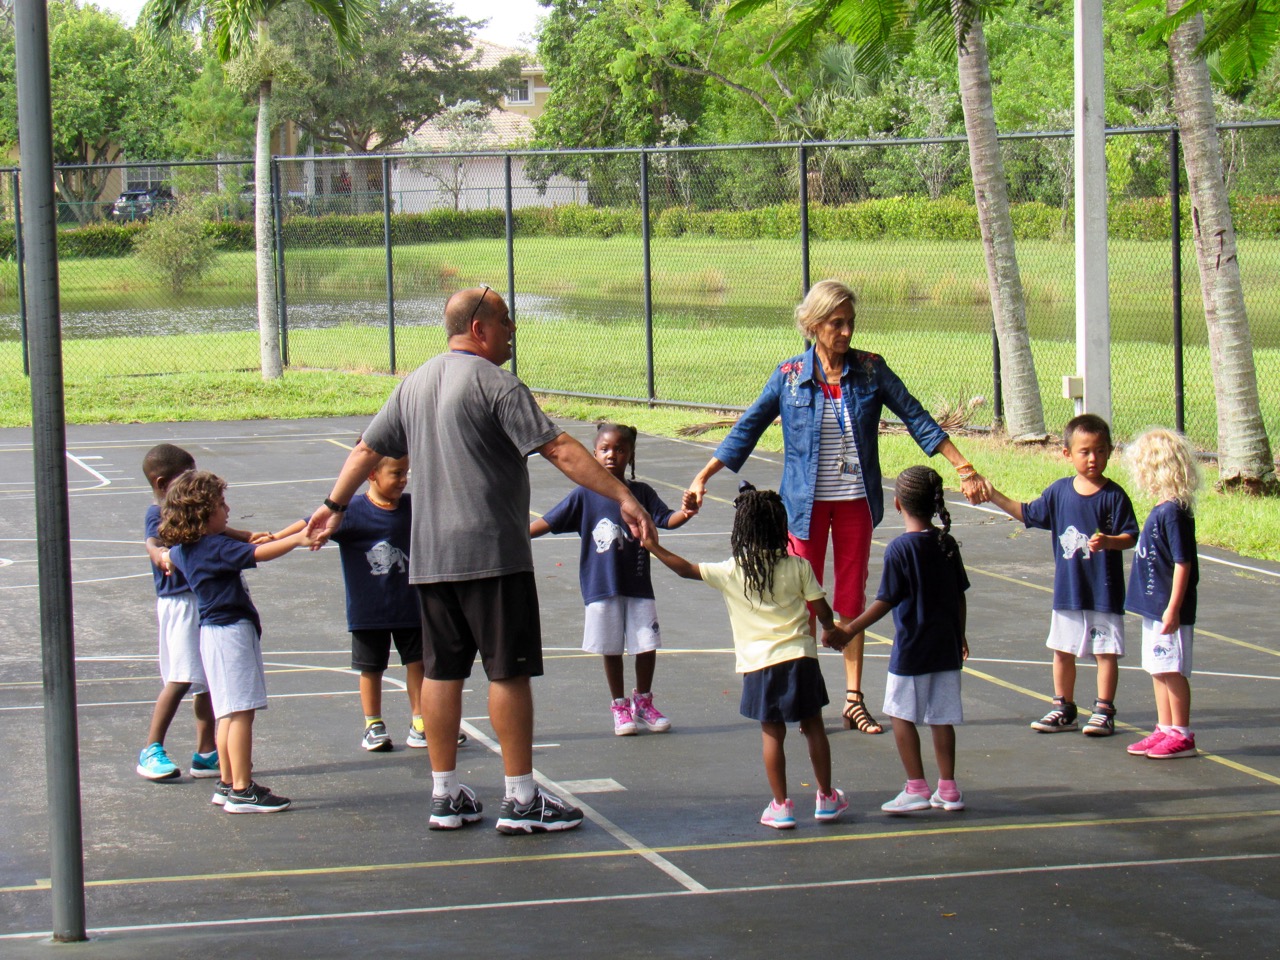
{"x": 765, "y": 590}
{"x": 923, "y": 584}
{"x": 1162, "y": 586}
{"x": 194, "y": 524}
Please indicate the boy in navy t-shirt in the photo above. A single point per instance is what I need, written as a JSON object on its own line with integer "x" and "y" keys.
{"x": 382, "y": 609}
{"x": 1092, "y": 521}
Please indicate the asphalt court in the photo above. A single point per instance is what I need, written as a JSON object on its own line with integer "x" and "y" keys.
{"x": 1067, "y": 843}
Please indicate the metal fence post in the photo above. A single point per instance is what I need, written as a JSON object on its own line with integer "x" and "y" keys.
{"x": 386, "y": 234}
{"x": 282, "y": 307}
{"x": 804, "y": 220}
{"x": 49, "y": 444}
{"x": 648, "y": 270}
{"x": 1175, "y": 222}
{"x": 511, "y": 259}
{"x": 22, "y": 292}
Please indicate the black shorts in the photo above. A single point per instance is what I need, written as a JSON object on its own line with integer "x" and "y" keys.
{"x": 784, "y": 692}
{"x": 371, "y": 649}
{"x": 496, "y": 617}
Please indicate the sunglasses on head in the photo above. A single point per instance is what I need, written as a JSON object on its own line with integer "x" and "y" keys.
{"x": 484, "y": 292}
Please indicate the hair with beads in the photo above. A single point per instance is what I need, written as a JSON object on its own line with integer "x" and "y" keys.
{"x": 759, "y": 538}
{"x": 629, "y": 434}
{"x": 920, "y": 493}
{"x": 1164, "y": 464}
{"x": 188, "y": 504}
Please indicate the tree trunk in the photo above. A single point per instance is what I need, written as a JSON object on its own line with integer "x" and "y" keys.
{"x": 264, "y": 241}
{"x": 1244, "y": 454}
{"x": 1024, "y": 414}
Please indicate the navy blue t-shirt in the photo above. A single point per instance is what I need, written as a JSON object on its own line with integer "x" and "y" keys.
{"x": 373, "y": 545}
{"x": 926, "y": 588}
{"x": 212, "y": 566}
{"x": 175, "y": 583}
{"x": 1168, "y": 537}
{"x": 1084, "y": 580}
{"x": 612, "y": 564}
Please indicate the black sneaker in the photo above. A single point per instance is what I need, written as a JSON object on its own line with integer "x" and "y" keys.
{"x": 376, "y": 739}
{"x": 1102, "y": 723}
{"x": 220, "y": 791}
{"x": 450, "y": 813}
{"x": 1061, "y": 717}
{"x": 544, "y": 812}
{"x": 254, "y": 799}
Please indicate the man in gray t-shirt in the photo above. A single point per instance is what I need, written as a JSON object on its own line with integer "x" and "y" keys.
{"x": 467, "y": 426}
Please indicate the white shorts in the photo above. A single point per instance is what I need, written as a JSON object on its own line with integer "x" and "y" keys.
{"x": 232, "y": 658}
{"x": 928, "y": 698}
{"x": 621, "y": 624}
{"x": 1166, "y": 653}
{"x": 180, "y": 641}
{"x": 1086, "y": 633}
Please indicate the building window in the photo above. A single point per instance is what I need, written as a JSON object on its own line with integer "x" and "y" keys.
{"x": 520, "y": 92}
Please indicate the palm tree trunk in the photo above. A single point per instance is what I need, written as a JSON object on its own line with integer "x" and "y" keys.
{"x": 1244, "y": 453}
{"x": 1024, "y": 413}
{"x": 264, "y": 240}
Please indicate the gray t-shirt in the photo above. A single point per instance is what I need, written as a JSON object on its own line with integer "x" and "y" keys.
{"x": 467, "y": 427}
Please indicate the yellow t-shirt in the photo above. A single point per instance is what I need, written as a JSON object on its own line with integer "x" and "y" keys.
{"x": 772, "y": 629}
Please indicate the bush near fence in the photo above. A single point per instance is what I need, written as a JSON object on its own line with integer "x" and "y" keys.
{"x": 893, "y": 218}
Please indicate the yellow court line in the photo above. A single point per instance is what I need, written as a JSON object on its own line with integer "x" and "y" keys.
{"x": 338, "y": 443}
{"x": 906, "y": 833}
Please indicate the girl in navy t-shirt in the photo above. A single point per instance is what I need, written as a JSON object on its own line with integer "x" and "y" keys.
{"x": 193, "y": 522}
{"x": 923, "y": 584}
{"x": 1162, "y": 586}
{"x": 621, "y": 616}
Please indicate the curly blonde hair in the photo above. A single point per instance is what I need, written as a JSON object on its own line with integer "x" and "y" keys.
{"x": 823, "y": 297}
{"x": 1164, "y": 464}
{"x": 189, "y": 502}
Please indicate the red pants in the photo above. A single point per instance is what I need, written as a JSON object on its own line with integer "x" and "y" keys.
{"x": 849, "y": 525}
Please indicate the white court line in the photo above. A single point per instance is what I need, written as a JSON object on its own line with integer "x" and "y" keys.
{"x": 657, "y": 895}
{"x": 151, "y": 702}
{"x": 32, "y": 586}
{"x": 80, "y": 462}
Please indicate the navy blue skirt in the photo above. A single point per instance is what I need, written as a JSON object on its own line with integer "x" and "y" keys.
{"x": 786, "y": 692}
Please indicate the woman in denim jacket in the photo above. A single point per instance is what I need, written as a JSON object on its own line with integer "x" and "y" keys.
{"x": 830, "y": 399}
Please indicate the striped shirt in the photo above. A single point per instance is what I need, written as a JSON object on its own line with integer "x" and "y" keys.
{"x": 833, "y": 484}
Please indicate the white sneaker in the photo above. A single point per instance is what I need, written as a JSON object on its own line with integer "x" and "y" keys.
{"x": 906, "y": 803}
{"x": 829, "y": 807}
{"x": 938, "y": 803}
{"x": 624, "y": 724}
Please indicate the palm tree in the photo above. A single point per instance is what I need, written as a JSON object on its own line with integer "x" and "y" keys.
{"x": 1244, "y": 36}
{"x": 240, "y": 32}
{"x": 882, "y": 28}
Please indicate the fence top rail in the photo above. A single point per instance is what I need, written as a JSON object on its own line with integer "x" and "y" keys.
{"x": 623, "y": 151}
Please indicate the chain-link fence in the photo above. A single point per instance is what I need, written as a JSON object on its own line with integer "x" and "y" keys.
{"x": 659, "y": 275}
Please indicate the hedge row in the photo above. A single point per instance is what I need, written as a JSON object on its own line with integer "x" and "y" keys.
{"x": 900, "y": 218}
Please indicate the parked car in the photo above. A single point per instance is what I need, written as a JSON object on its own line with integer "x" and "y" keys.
{"x": 140, "y": 204}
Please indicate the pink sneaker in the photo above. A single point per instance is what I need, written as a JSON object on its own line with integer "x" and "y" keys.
{"x": 1143, "y": 746}
{"x": 1173, "y": 745}
{"x": 646, "y": 713}
{"x": 624, "y": 724}
{"x": 780, "y": 816}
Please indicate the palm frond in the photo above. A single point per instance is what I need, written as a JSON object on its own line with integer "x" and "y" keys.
{"x": 1163, "y": 30}
{"x": 744, "y": 8}
{"x": 1244, "y": 36}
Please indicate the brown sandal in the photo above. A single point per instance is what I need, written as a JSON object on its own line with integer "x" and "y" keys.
{"x": 857, "y": 716}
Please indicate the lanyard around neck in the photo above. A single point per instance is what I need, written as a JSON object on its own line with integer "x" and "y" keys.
{"x": 840, "y": 406}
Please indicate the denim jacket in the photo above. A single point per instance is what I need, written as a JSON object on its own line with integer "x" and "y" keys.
{"x": 795, "y": 393}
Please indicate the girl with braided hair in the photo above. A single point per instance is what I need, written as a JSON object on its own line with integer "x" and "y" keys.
{"x": 923, "y": 584}
{"x": 766, "y": 590}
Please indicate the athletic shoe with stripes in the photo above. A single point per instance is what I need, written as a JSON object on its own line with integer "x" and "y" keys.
{"x": 544, "y": 812}
{"x": 450, "y": 813}
{"x": 254, "y": 798}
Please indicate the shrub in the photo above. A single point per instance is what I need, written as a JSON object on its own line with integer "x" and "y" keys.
{"x": 176, "y": 245}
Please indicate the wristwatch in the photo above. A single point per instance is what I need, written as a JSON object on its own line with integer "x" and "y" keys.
{"x": 335, "y": 507}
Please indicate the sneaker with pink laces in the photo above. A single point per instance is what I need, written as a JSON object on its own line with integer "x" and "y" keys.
{"x": 646, "y": 713}
{"x": 1143, "y": 746}
{"x": 1173, "y": 745}
{"x": 624, "y": 724}
{"x": 780, "y": 816}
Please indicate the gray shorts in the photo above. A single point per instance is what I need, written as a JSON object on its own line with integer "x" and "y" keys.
{"x": 179, "y": 622}
{"x": 617, "y": 625}
{"x": 232, "y": 658}
{"x": 928, "y": 698}
{"x": 1086, "y": 633}
{"x": 1166, "y": 652}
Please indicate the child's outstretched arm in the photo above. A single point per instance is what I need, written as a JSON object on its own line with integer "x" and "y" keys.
{"x": 278, "y": 548}
{"x": 688, "y": 510}
{"x": 538, "y": 527}
{"x": 247, "y": 536}
{"x": 296, "y": 527}
{"x": 678, "y": 565}
{"x": 833, "y": 635}
{"x": 874, "y": 612}
{"x": 1012, "y": 507}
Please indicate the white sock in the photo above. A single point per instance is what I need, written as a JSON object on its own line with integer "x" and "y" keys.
{"x": 522, "y": 789}
{"x": 1183, "y": 731}
{"x": 444, "y": 784}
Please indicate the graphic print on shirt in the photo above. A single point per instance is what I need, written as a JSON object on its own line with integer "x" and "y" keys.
{"x": 607, "y": 535}
{"x": 1073, "y": 540}
{"x": 384, "y": 558}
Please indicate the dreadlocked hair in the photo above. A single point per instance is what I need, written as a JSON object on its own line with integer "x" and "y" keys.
{"x": 759, "y": 538}
{"x": 920, "y": 494}
{"x": 189, "y": 502}
{"x": 630, "y": 434}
